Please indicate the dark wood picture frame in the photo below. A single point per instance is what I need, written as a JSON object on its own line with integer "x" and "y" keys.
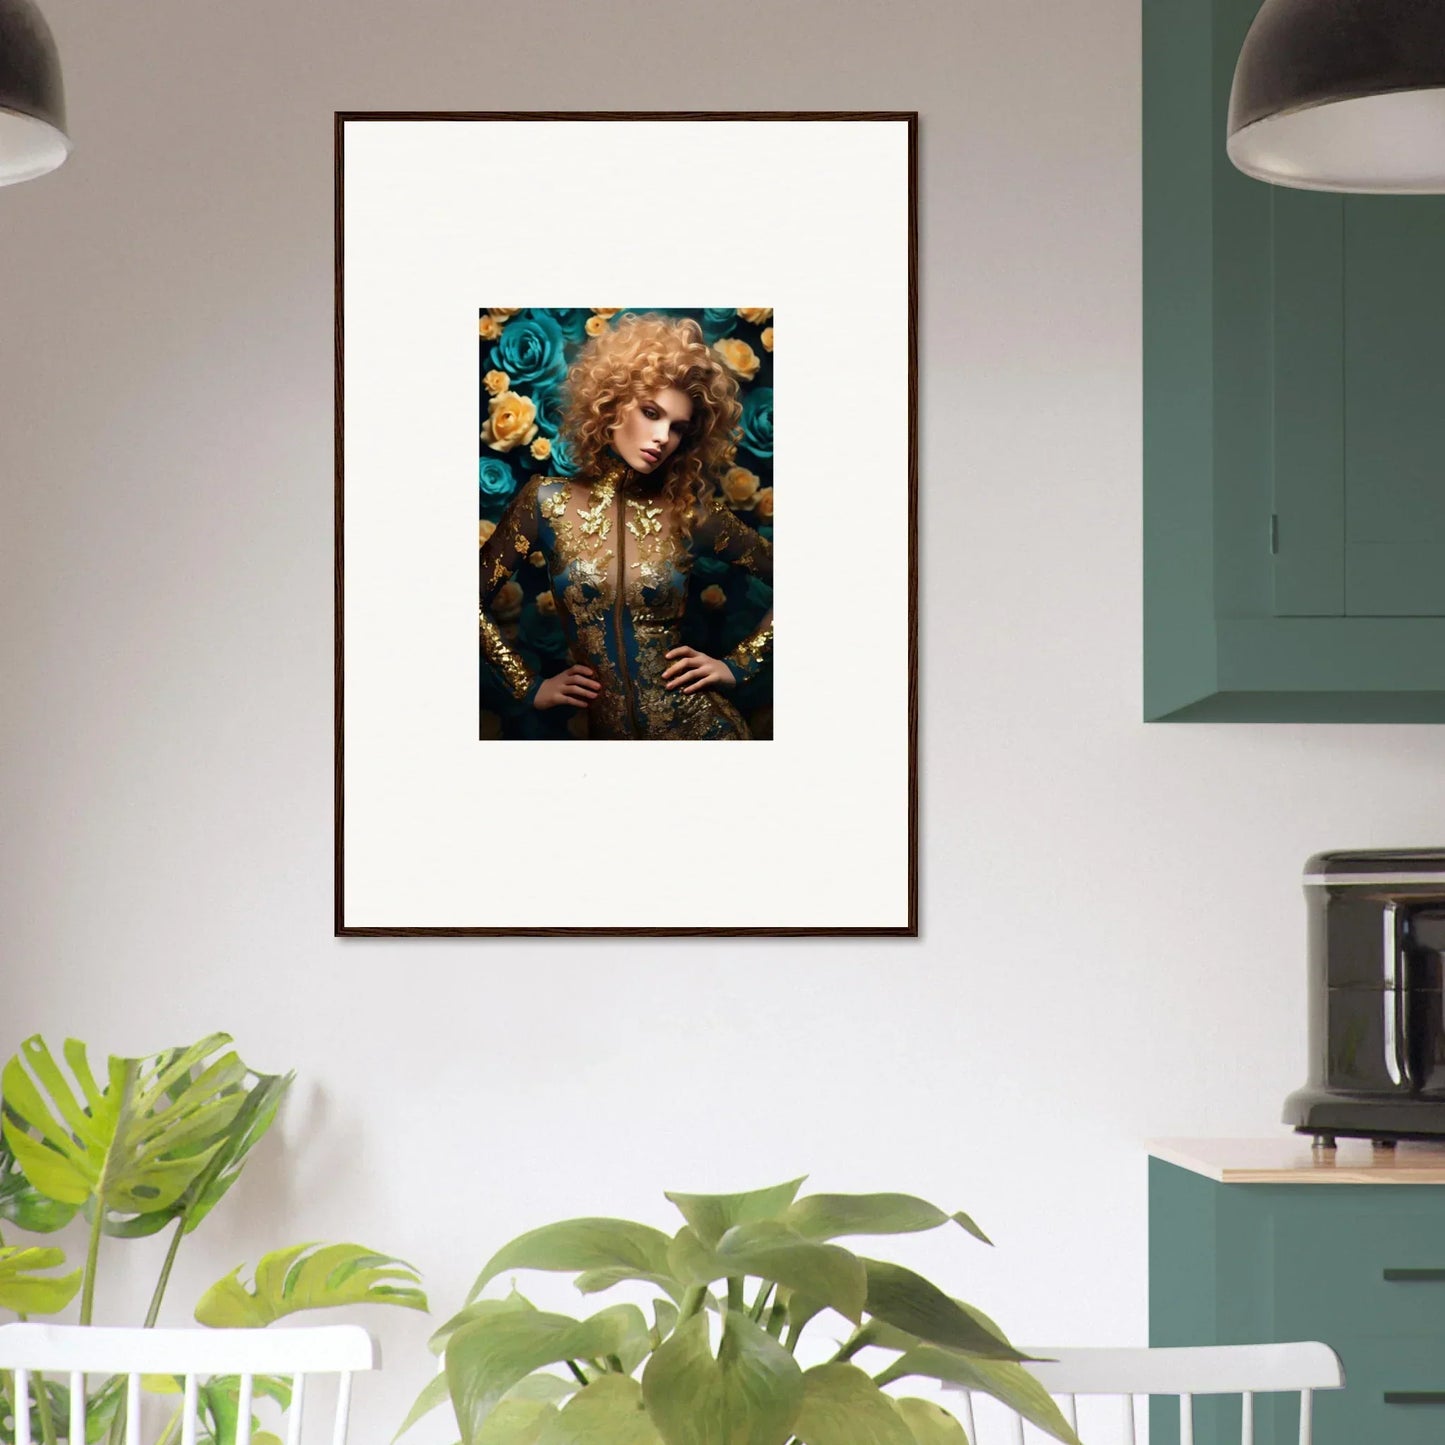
{"x": 910, "y": 929}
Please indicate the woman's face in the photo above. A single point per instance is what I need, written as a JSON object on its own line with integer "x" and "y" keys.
{"x": 651, "y": 429}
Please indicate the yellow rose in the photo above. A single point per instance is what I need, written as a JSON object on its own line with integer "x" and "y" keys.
{"x": 490, "y": 328}
{"x": 738, "y": 357}
{"x": 487, "y": 528}
{"x": 491, "y": 726}
{"x": 767, "y": 339}
{"x": 496, "y": 381}
{"x": 756, "y": 314}
{"x": 764, "y": 502}
{"x": 713, "y": 597}
{"x": 541, "y": 449}
{"x": 606, "y": 310}
{"x": 537, "y": 559}
{"x": 504, "y": 313}
{"x": 596, "y": 325}
{"x": 511, "y": 421}
{"x": 547, "y": 605}
{"x": 507, "y": 604}
{"x": 740, "y": 487}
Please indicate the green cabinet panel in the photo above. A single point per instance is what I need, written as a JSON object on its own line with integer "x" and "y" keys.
{"x": 1361, "y": 1267}
{"x": 1294, "y": 420}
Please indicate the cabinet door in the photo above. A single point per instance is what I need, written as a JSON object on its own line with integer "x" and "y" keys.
{"x": 1358, "y": 405}
{"x": 1294, "y": 420}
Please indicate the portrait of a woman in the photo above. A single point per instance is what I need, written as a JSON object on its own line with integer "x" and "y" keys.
{"x": 650, "y": 423}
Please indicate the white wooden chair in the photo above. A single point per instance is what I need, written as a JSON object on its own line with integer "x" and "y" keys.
{"x": 75, "y": 1351}
{"x": 1244, "y": 1370}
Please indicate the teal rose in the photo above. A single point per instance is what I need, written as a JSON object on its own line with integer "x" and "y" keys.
{"x": 498, "y": 482}
{"x": 563, "y": 462}
{"x": 718, "y": 321}
{"x": 571, "y": 320}
{"x": 532, "y": 348}
{"x": 758, "y": 421}
{"x": 550, "y": 404}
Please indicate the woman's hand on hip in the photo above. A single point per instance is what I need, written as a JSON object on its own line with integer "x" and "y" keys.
{"x": 576, "y": 687}
{"x": 692, "y": 671}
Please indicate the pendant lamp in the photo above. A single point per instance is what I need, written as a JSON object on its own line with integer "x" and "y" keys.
{"x": 1342, "y": 95}
{"x": 32, "y": 103}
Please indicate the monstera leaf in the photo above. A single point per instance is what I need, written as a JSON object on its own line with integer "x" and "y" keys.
{"x": 259, "y": 1102}
{"x": 310, "y": 1277}
{"x": 132, "y": 1147}
{"x": 26, "y": 1289}
{"x": 23, "y": 1205}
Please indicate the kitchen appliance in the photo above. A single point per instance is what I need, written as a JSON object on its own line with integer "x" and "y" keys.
{"x": 1376, "y": 997}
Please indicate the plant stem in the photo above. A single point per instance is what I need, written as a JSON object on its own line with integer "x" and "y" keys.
{"x": 92, "y": 1256}
{"x": 849, "y": 1347}
{"x": 153, "y": 1313}
{"x": 777, "y": 1317}
{"x": 692, "y": 1301}
{"x": 756, "y": 1313}
{"x": 614, "y": 1363}
{"x": 42, "y": 1399}
{"x": 572, "y": 1365}
{"x": 171, "y": 1426}
{"x": 735, "y": 1293}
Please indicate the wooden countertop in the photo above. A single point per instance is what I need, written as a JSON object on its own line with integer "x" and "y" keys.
{"x": 1290, "y": 1159}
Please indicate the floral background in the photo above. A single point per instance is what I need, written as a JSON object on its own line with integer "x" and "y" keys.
{"x": 525, "y": 353}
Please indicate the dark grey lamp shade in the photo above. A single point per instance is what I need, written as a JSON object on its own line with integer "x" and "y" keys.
{"x": 1342, "y": 95}
{"x": 32, "y": 102}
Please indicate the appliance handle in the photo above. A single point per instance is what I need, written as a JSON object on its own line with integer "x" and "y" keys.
{"x": 1390, "y": 999}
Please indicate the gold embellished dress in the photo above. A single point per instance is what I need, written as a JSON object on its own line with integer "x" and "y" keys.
{"x": 619, "y": 567}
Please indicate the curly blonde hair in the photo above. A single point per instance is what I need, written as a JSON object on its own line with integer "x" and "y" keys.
{"x": 637, "y": 357}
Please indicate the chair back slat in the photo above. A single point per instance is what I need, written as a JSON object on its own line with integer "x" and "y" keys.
{"x": 1246, "y": 1417}
{"x": 77, "y": 1405}
{"x": 969, "y": 1427}
{"x": 1131, "y": 1422}
{"x": 298, "y": 1406}
{"x": 188, "y": 1409}
{"x": 243, "y": 1406}
{"x": 132, "y": 1410}
{"x": 343, "y": 1409}
{"x": 22, "y": 1412}
{"x": 232, "y": 1358}
{"x": 1186, "y": 1420}
{"x": 1306, "y": 1409}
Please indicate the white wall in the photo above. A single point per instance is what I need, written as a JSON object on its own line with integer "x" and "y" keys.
{"x": 1112, "y": 920}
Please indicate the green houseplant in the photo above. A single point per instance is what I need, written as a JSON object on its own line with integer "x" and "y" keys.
{"x": 155, "y": 1143}
{"x": 765, "y": 1267}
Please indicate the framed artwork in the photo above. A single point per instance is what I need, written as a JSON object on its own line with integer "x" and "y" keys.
{"x": 632, "y": 549}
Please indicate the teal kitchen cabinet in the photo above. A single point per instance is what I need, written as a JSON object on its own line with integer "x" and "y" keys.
{"x": 1294, "y": 420}
{"x": 1257, "y": 1241}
